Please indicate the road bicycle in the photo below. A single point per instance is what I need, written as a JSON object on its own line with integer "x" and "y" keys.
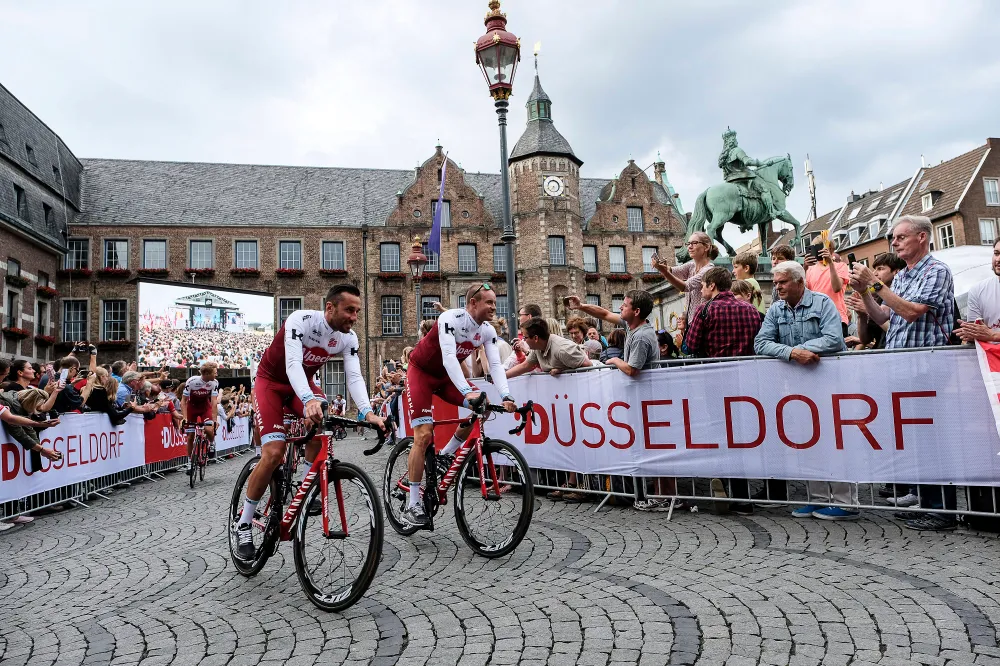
{"x": 199, "y": 453}
{"x": 335, "y": 525}
{"x": 494, "y": 493}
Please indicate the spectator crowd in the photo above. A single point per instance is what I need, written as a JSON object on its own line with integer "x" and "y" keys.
{"x": 189, "y": 347}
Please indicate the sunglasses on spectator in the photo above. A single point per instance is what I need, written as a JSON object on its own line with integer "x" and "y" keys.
{"x": 485, "y": 285}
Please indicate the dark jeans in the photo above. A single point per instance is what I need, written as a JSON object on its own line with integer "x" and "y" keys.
{"x": 776, "y": 489}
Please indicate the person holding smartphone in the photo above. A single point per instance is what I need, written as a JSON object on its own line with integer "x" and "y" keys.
{"x": 830, "y": 276}
{"x": 984, "y": 307}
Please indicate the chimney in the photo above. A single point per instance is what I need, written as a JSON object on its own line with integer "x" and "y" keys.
{"x": 659, "y": 168}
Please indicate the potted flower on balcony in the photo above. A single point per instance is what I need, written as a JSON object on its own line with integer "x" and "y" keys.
{"x": 114, "y": 344}
{"x": 498, "y": 277}
{"x": 290, "y": 272}
{"x": 15, "y": 333}
{"x": 244, "y": 272}
{"x": 652, "y": 277}
{"x": 619, "y": 277}
{"x": 16, "y": 280}
{"x": 390, "y": 275}
{"x": 154, "y": 272}
{"x": 431, "y": 275}
{"x": 45, "y": 340}
{"x": 333, "y": 272}
{"x": 206, "y": 272}
{"x": 47, "y": 292}
{"x": 74, "y": 272}
{"x": 592, "y": 277}
{"x": 113, "y": 272}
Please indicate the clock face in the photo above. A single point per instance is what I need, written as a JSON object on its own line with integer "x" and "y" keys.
{"x": 553, "y": 186}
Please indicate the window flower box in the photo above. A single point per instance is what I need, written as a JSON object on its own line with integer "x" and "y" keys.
{"x": 592, "y": 277}
{"x": 154, "y": 272}
{"x": 290, "y": 272}
{"x": 113, "y": 272}
{"x": 652, "y": 277}
{"x": 619, "y": 277}
{"x": 74, "y": 272}
{"x": 431, "y": 275}
{"x": 207, "y": 272}
{"x": 45, "y": 340}
{"x": 498, "y": 277}
{"x": 16, "y": 280}
{"x": 114, "y": 344}
{"x": 14, "y": 333}
{"x": 47, "y": 292}
{"x": 244, "y": 272}
{"x": 392, "y": 276}
{"x": 333, "y": 272}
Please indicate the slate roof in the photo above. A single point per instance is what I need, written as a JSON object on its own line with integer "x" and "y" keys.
{"x": 871, "y": 207}
{"x": 540, "y": 134}
{"x": 819, "y": 224}
{"x": 949, "y": 178}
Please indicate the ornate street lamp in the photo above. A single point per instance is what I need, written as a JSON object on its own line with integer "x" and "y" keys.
{"x": 416, "y": 261}
{"x": 497, "y": 54}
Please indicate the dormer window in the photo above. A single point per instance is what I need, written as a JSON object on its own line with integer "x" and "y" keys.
{"x": 854, "y": 213}
{"x": 31, "y": 155}
{"x": 873, "y": 205}
{"x": 893, "y": 196}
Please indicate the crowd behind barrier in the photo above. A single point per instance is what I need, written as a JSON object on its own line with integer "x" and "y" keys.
{"x": 187, "y": 347}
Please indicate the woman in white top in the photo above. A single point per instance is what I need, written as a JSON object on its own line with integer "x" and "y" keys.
{"x": 687, "y": 278}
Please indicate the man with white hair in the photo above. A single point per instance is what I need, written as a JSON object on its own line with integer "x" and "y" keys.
{"x": 920, "y": 309}
{"x": 799, "y": 326}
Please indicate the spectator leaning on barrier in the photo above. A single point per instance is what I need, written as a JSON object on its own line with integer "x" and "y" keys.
{"x": 800, "y": 326}
{"x": 984, "y": 307}
{"x": 870, "y": 334}
{"x": 593, "y": 349}
{"x": 723, "y": 326}
{"x": 549, "y": 353}
{"x": 70, "y": 398}
{"x": 21, "y": 376}
{"x": 102, "y": 397}
{"x": 16, "y": 410}
{"x": 668, "y": 348}
{"x": 920, "y": 309}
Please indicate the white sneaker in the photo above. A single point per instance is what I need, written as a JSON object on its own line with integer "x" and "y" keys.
{"x": 908, "y": 499}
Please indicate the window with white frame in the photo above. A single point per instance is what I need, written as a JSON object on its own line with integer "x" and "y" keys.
{"x": 854, "y": 213}
{"x": 427, "y": 310}
{"x": 115, "y": 319}
{"x": 13, "y": 318}
{"x": 987, "y": 231}
{"x": 992, "y": 187}
{"x": 557, "y": 251}
{"x": 502, "y": 306}
{"x": 499, "y": 258}
{"x": 74, "y": 320}
{"x": 445, "y": 213}
{"x": 333, "y": 255}
{"x": 946, "y": 236}
{"x": 635, "y": 219}
{"x": 286, "y": 306}
{"x": 873, "y": 228}
{"x": 334, "y": 380}
{"x": 616, "y": 258}
{"x": 392, "y": 315}
{"x": 116, "y": 253}
{"x": 467, "y": 258}
{"x": 616, "y": 302}
{"x": 433, "y": 259}
{"x": 201, "y": 253}
{"x": 592, "y": 299}
{"x": 247, "y": 255}
{"x": 77, "y": 253}
{"x": 290, "y": 254}
{"x": 590, "y": 258}
{"x": 926, "y": 202}
{"x": 388, "y": 257}
{"x": 461, "y": 301}
{"x": 647, "y": 259}
{"x": 853, "y": 236}
{"x": 154, "y": 254}
{"x": 13, "y": 267}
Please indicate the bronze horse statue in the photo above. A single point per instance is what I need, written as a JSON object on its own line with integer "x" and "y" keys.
{"x": 736, "y": 202}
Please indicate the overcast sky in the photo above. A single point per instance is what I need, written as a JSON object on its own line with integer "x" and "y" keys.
{"x": 864, "y": 87}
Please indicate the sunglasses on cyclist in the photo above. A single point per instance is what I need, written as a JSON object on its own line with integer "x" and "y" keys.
{"x": 485, "y": 285}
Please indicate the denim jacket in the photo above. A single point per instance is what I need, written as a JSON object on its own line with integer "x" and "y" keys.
{"x": 814, "y": 325}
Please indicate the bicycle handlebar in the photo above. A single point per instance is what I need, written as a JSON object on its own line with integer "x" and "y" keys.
{"x": 478, "y": 407}
{"x": 389, "y": 434}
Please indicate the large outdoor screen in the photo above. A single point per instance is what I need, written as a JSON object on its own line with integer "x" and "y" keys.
{"x": 183, "y": 326}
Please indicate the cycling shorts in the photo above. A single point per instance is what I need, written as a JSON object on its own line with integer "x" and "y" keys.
{"x": 271, "y": 400}
{"x": 421, "y": 387}
{"x": 195, "y": 414}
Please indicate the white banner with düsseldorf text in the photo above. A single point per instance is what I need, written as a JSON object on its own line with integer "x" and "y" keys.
{"x": 238, "y": 436}
{"x": 913, "y": 417}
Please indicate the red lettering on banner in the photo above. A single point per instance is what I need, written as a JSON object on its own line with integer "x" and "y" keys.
{"x": 70, "y": 451}
{"x": 623, "y": 426}
{"x": 532, "y": 437}
{"x": 688, "y": 443}
{"x": 10, "y": 461}
{"x": 761, "y": 424}
{"x": 572, "y": 426}
{"x": 595, "y": 426}
{"x": 648, "y": 425}
{"x": 897, "y": 418}
{"x": 862, "y": 423}
{"x": 55, "y": 446}
{"x": 814, "y": 410}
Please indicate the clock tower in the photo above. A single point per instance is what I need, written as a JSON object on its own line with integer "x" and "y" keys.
{"x": 545, "y": 206}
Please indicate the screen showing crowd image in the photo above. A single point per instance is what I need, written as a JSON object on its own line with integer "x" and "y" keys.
{"x": 182, "y": 326}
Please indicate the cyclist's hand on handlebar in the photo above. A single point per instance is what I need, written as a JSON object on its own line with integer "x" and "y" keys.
{"x": 510, "y": 406}
{"x": 474, "y": 397}
{"x": 377, "y": 420}
{"x": 314, "y": 411}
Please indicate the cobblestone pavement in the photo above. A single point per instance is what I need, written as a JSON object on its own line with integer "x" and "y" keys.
{"x": 145, "y": 578}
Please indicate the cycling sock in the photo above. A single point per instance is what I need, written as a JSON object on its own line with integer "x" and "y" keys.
{"x": 414, "y": 494}
{"x": 249, "y": 507}
{"x": 454, "y": 445}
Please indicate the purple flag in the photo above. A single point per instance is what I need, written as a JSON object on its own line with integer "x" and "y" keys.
{"x": 434, "y": 242}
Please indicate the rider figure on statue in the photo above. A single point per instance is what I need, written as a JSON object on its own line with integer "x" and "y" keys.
{"x": 736, "y": 168}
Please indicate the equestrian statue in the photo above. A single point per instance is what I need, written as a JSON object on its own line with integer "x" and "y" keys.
{"x": 754, "y": 194}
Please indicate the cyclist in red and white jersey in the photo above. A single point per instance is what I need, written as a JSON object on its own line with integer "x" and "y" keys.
{"x": 200, "y": 402}
{"x": 303, "y": 345}
{"x": 435, "y": 368}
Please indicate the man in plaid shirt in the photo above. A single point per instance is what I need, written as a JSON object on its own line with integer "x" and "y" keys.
{"x": 920, "y": 308}
{"x": 723, "y": 326}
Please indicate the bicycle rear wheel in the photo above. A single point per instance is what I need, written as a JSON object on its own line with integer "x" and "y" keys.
{"x": 394, "y": 497}
{"x": 263, "y": 538}
{"x": 202, "y": 459}
{"x": 335, "y": 571}
{"x": 493, "y": 526}
{"x": 193, "y": 464}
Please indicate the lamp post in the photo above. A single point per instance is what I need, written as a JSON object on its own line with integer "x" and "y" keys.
{"x": 364, "y": 279}
{"x": 416, "y": 261}
{"x": 497, "y": 54}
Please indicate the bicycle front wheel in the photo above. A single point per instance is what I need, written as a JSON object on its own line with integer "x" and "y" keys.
{"x": 336, "y": 570}
{"x": 494, "y": 523}
{"x": 395, "y": 487}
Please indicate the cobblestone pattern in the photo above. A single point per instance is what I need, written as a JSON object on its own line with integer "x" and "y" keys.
{"x": 145, "y": 578}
